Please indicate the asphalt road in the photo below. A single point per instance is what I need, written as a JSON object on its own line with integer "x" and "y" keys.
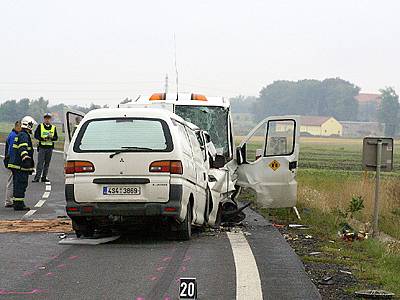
{"x": 252, "y": 263}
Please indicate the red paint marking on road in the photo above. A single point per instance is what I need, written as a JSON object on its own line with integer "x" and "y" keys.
{"x": 50, "y": 274}
{"x": 187, "y": 258}
{"x": 167, "y": 298}
{"x": 61, "y": 266}
{"x": 73, "y": 257}
{"x": 27, "y": 273}
{"x": 159, "y": 269}
{"x": 167, "y": 258}
{"x": 183, "y": 269}
{"x": 34, "y": 291}
{"x": 139, "y": 298}
{"x": 152, "y": 277}
{"x": 54, "y": 257}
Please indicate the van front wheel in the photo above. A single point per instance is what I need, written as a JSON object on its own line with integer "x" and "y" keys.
{"x": 184, "y": 229}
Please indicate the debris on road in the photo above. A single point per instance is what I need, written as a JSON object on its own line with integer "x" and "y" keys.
{"x": 298, "y": 226}
{"x": 278, "y": 225}
{"x": 327, "y": 281}
{"x": 88, "y": 241}
{"x": 374, "y": 294}
{"x": 25, "y": 226}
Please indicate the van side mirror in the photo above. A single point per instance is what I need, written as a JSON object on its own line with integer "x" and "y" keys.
{"x": 259, "y": 153}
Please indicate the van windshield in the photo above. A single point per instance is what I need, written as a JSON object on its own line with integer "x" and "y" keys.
{"x": 213, "y": 119}
{"x": 128, "y": 134}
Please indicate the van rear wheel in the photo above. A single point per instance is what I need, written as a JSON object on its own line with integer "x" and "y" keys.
{"x": 184, "y": 229}
{"x": 82, "y": 228}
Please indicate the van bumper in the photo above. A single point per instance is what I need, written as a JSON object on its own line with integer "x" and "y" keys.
{"x": 172, "y": 208}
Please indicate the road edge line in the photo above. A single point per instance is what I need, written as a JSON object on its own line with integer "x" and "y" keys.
{"x": 248, "y": 282}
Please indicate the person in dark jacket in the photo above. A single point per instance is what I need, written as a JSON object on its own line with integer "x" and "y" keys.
{"x": 46, "y": 134}
{"x": 7, "y": 153}
{"x": 21, "y": 162}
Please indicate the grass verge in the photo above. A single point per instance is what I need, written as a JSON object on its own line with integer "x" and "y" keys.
{"x": 372, "y": 264}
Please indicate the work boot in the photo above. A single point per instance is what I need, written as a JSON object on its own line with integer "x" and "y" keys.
{"x": 35, "y": 180}
{"x": 8, "y": 205}
{"x": 44, "y": 179}
{"x": 20, "y": 205}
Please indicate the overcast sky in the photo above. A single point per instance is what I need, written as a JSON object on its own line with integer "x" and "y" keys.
{"x": 103, "y": 51}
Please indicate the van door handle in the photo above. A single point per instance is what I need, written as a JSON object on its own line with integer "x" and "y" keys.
{"x": 292, "y": 165}
{"x": 204, "y": 176}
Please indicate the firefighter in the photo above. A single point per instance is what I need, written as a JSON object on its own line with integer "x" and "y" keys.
{"x": 21, "y": 162}
{"x": 46, "y": 134}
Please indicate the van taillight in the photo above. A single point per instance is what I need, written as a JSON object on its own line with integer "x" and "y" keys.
{"x": 166, "y": 166}
{"x": 72, "y": 167}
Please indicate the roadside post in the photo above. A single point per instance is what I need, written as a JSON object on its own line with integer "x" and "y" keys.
{"x": 377, "y": 156}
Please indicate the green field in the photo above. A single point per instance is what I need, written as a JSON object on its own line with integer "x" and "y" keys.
{"x": 329, "y": 153}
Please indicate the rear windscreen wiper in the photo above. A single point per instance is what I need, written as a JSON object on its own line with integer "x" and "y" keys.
{"x": 130, "y": 149}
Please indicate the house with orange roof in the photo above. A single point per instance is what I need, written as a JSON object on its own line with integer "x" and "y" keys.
{"x": 368, "y": 105}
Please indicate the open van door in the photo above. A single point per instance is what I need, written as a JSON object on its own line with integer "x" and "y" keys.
{"x": 272, "y": 171}
{"x": 72, "y": 119}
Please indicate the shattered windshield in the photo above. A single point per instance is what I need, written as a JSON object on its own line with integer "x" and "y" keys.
{"x": 213, "y": 119}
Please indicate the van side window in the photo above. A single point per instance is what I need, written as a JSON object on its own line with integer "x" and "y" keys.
{"x": 185, "y": 138}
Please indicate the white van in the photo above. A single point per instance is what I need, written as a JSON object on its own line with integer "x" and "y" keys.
{"x": 135, "y": 166}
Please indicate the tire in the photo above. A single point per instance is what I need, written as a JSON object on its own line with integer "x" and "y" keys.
{"x": 82, "y": 228}
{"x": 184, "y": 229}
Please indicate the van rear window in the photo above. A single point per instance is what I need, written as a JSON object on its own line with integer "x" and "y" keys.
{"x": 133, "y": 134}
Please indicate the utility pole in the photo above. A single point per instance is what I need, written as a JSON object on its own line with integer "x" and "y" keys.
{"x": 166, "y": 84}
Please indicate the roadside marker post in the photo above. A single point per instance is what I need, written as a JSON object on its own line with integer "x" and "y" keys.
{"x": 377, "y": 156}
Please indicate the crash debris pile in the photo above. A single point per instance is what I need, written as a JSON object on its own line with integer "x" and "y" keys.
{"x": 55, "y": 225}
{"x": 347, "y": 233}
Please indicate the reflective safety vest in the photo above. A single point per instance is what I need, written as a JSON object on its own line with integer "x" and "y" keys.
{"x": 44, "y": 133}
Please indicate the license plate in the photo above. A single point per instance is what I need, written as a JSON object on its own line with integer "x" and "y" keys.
{"x": 121, "y": 190}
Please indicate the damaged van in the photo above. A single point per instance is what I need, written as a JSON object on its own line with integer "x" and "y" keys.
{"x": 127, "y": 167}
{"x": 269, "y": 169}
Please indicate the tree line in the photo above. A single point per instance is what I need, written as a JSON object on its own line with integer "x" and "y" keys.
{"x": 13, "y": 110}
{"x": 330, "y": 97}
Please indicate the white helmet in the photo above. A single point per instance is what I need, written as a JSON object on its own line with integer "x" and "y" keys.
{"x": 28, "y": 122}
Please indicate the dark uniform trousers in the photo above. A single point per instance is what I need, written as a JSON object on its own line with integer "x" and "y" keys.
{"x": 20, "y": 179}
{"x": 44, "y": 158}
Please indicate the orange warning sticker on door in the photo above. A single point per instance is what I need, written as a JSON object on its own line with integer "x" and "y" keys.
{"x": 274, "y": 165}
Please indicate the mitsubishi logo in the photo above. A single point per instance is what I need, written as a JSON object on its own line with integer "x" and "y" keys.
{"x": 121, "y": 160}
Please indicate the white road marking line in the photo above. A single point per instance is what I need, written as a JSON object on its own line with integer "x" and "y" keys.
{"x": 58, "y": 151}
{"x": 29, "y": 213}
{"x": 48, "y": 187}
{"x": 40, "y": 203}
{"x": 46, "y": 195}
{"x": 248, "y": 283}
{"x": 48, "y": 182}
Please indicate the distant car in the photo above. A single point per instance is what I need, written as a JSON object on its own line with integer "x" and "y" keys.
{"x": 131, "y": 166}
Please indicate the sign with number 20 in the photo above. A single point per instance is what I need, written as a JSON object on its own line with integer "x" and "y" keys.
{"x": 188, "y": 288}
